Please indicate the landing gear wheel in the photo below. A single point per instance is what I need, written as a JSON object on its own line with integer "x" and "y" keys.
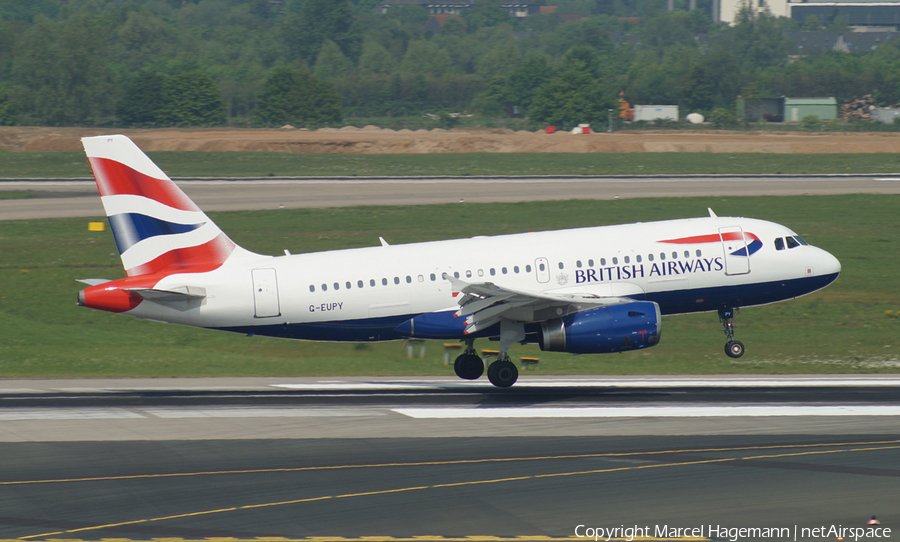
{"x": 469, "y": 366}
{"x": 503, "y": 374}
{"x": 734, "y": 349}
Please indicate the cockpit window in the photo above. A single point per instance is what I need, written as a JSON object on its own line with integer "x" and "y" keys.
{"x": 800, "y": 240}
{"x": 792, "y": 243}
{"x": 779, "y": 243}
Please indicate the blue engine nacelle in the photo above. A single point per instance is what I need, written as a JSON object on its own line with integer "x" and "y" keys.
{"x": 613, "y": 328}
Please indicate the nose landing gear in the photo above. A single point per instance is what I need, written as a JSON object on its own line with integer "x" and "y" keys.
{"x": 733, "y": 348}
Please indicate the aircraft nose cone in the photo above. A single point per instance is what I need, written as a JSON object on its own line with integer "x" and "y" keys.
{"x": 827, "y": 265}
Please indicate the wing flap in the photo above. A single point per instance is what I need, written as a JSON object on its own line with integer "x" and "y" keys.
{"x": 484, "y": 304}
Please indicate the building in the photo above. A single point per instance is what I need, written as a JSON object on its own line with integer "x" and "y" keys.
{"x": 456, "y": 7}
{"x": 786, "y": 109}
{"x": 808, "y": 43}
{"x": 880, "y": 15}
{"x": 797, "y": 108}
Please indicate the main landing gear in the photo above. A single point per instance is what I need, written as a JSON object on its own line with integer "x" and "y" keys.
{"x": 469, "y": 365}
{"x": 502, "y": 372}
{"x": 733, "y": 348}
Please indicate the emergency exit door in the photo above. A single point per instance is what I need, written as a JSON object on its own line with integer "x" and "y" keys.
{"x": 265, "y": 293}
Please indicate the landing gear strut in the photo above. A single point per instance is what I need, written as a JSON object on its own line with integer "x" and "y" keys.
{"x": 469, "y": 365}
{"x": 503, "y": 373}
{"x": 733, "y": 348}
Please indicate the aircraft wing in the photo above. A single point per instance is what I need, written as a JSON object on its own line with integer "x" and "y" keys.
{"x": 483, "y": 304}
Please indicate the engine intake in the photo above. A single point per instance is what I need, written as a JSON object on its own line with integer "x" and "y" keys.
{"x": 613, "y": 328}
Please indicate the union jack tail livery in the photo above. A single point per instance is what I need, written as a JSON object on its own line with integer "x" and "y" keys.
{"x": 157, "y": 228}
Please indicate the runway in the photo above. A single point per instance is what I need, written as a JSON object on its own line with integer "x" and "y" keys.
{"x": 437, "y": 458}
{"x": 78, "y": 198}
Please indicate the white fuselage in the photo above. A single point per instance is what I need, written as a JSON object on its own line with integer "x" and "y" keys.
{"x": 364, "y": 294}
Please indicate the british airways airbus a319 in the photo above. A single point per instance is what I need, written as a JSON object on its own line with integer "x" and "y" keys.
{"x": 584, "y": 291}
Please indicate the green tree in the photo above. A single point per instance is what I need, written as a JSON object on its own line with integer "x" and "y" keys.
{"x": 331, "y": 62}
{"x": 7, "y": 117}
{"x": 426, "y": 58}
{"x": 296, "y": 97}
{"x": 61, "y": 70}
{"x": 572, "y": 97}
{"x": 376, "y": 60}
{"x": 144, "y": 102}
{"x": 485, "y": 13}
{"x": 142, "y": 38}
{"x": 192, "y": 99}
{"x": 321, "y": 20}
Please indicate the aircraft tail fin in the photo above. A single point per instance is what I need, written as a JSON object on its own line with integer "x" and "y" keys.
{"x": 158, "y": 229}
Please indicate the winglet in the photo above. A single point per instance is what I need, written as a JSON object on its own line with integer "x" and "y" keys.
{"x": 711, "y": 213}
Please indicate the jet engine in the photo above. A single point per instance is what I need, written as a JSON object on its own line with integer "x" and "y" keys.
{"x": 612, "y": 328}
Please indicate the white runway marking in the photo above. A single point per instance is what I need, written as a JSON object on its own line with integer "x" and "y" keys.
{"x": 649, "y": 411}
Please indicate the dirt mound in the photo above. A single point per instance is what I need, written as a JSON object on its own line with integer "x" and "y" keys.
{"x": 371, "y": 141}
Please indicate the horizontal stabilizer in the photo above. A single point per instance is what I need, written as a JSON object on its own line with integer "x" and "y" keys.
{"x": 93, "y": 282}
{"x": 181, "y": 298}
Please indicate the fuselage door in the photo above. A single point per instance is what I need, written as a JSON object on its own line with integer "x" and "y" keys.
{"x": 737, "y": 260}
{"x": 542, "y": 269}
{"x": 265, "y": 293}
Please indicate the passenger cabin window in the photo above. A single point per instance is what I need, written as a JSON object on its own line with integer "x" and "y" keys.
{"x": 384, "y": 282}
{"x": 541, "y": 267}
{"x": 347, "y": 285}
{"x": 615, "y": 261}
{"x": 779, "y": 243}
{"x": 649, "y": 257}
{"x": 372, "y": 282}
{"x": 503, "y": 270}
{"x": 602, "y": 261}
{"x": 627, "y": 259}
{"x": 493, "y": 271}
{"x": 528, "y": 269}
{"x": 590, "y": 263}
{"x": 408, "y": 279}
{"x": 578, "y": 264}
{"x": 337, "y": 286}
{"x": 561, "y": 265}
{"x": 324, "y": 287}
{"x": 432, "y": 277}
{"x": 312, "y": 288}
{"x": 396, "y": 280}
{"x": 516, "y": 269}
{"x": 699, "y": 253}
{"x": 359, "y": 284}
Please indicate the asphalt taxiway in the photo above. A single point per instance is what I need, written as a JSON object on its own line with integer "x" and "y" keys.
{"x": 78, "y": 198}
{"x": 417, "y": 458}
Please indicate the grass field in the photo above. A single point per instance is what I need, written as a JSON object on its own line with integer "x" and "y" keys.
{"x": 233, "y": 164}
{"x": 852, "y": 326}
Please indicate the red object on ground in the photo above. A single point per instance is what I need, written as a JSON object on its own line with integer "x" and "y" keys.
{"x": 551, "y": 129}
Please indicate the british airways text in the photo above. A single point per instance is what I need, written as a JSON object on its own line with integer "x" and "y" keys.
{"x": 661, "y": 269}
